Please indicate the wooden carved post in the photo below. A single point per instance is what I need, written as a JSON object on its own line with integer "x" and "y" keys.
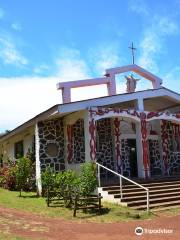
{"x": 118, "y": 145}
{"x": 145, "y": 145}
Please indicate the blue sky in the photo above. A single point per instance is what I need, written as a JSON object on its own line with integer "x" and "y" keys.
{"x": 44, "y": 42}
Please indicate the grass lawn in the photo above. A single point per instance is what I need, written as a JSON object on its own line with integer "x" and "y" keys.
{"x": 31, "y": 203}
{"x": 7, "y": 236}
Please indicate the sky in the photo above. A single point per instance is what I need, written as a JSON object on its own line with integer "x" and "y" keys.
{"x": 46, "y": 42}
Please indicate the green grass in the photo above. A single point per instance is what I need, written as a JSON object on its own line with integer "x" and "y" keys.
{"x": 31, "y": 203}
{"x": 7, "y": 236}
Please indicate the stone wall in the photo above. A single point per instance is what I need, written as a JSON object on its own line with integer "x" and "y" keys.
{"x": 174, "y": 163}
{"x": 173, "y": 158}
{"x": 105, "y": 144}
{"x": 125, "y": 157}
{"x": 78, "y": 142}
{"x": 154, "y": 157}
{"x": 51, "y": 135}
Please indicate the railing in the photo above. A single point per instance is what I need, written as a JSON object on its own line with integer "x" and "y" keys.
{"x": 120, "y": 181}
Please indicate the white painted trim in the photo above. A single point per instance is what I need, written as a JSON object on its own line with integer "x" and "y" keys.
{"x": 110, "y": 115}
{"x": 38, "y": 167}
{"x": 120, "y": 98}
{"x": 140, "y": 104}
{"x": 164, "y": 116}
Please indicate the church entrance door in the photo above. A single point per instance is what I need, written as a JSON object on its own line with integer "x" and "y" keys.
{"x": 133, "y": 157}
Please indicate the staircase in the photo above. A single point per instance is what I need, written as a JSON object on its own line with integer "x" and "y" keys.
{"x": 163, "y": 194}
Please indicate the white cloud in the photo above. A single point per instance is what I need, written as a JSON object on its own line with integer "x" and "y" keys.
{"x": 9, "y": 53}
{"x": 16, "y": 26}
{"x": 139, "y": 7}
{"x": 171, "y": 79}
{"x": 41, "y": 69}
{"x": 24, "y": 97}
{"x": 105, "y": 56}
{"x": 71, "y": 66}
{"x": 1, "y": 13}
{"x": 157, "y": 27}
{"x": 153, "y": 41}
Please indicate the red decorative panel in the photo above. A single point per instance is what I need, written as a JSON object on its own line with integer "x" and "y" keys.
{"x": 92, "y": 143}
{"x": 145, "y": 146}
{"x": 69, "y": 143}
{"x": 117, "y": 144}
{"x": 99, "y": 111}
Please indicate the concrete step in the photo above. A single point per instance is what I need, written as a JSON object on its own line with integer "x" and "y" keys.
{"x": 157, "y": 206}
{"x": 157, "y": 183}
{"x": 149, "y": 185}
{"x": 141, "y": 189}
{"x": 142, "y": 193}
{"x": 151, "y": 196}
{"x": 162, "y": 194}
{"x": 154, "y": 200}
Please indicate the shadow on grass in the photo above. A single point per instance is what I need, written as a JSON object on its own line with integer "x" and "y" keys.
{"x": 32, "y": 196}
{"x": 87, "y": 213}
{"x": 90, "y": 213}
{"x": 129, "y": 215}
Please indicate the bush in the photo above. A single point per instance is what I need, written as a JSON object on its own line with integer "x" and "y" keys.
{"x": 23, "y": 173}
{"x": 87, "y": 178}
{"x": 66, "y": 184}
{"x": 8, "y": 177}
{"x": 67, "y": 180}
{"x": 48, "y": 179}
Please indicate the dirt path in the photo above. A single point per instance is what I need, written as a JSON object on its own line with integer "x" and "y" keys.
{"x": 30, "y": 225}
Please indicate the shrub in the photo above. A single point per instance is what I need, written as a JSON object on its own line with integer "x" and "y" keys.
{"x": 23, "y": 172}
{"x": 87, "y": 178}
{"x": 67, "y": 183}
{"x": 8, "y": 177}
{"x": 48, "y": 179}
{"x": 67, "y": 180}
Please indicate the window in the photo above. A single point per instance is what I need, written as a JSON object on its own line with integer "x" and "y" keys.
{"x": 18, "y": 149}
{"x": 52, "y": 149}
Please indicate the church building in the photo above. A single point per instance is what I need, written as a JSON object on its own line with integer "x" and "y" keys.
{"x": 135, "y": 133}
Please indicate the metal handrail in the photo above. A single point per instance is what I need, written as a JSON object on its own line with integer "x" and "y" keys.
{"x": 120, "y": 180}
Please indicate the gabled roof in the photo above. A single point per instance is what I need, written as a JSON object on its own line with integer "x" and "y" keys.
{"x": 64, "y": 109}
